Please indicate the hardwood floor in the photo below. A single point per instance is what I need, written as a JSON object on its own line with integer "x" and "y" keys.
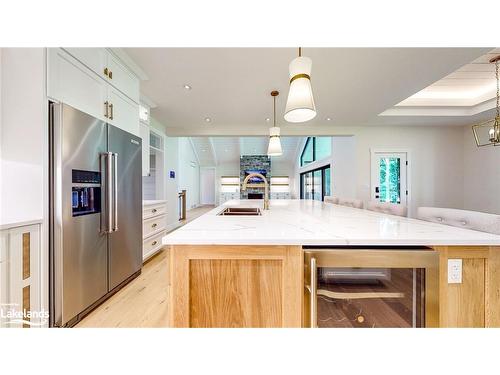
{"x": 142, "y": 303}
{"x": 197, "y": 212}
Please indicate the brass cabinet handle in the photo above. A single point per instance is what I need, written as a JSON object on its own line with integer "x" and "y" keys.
{"x": 106, "y": 71}
{"x": 106, "y": 111}
{"x": 111, "y": 111}
{"x": 153, "y": 210}
{"x": 154, "y": 225}
{"x": 154, "y": 243}
{"x": 110, "y": 74}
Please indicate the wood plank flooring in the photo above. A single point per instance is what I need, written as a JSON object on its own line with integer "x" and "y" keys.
{"x": 144, "y": 302}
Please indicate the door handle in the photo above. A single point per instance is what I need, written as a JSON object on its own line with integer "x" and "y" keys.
{"x": 314, "y": 288}
{"x": 109, "y": 191}
{"x": 115, "y": 192}
{"x": 111, "y": 111}
{"x": 106, "y": 109}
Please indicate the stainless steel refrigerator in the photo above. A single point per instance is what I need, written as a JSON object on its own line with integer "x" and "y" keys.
{"x": 95, "y": 211}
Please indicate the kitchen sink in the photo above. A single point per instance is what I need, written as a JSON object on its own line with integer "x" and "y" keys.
{"x": 241, "y": 211}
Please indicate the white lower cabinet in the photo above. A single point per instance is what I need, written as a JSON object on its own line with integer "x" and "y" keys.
{"x": 20, "y": 300}
{"x": 153, "y": 227}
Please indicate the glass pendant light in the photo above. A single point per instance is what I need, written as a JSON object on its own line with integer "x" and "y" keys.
{"x": 274, "y": 148}
{"x": 488, "y": 133}
{"x": 300, "y": 104}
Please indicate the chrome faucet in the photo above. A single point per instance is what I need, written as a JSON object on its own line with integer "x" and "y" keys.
{"x": 266, "y": 187}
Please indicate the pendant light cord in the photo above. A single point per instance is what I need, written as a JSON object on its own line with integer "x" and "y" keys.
{"x": 274, "y": 109}
{"x": 498, "y": 89}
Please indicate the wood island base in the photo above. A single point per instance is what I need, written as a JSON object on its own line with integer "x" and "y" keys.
{"x": 263, "y": 286}
{"x": 236, "y": 286}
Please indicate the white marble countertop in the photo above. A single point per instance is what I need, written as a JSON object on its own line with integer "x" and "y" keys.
{"x": 305, "y": 222}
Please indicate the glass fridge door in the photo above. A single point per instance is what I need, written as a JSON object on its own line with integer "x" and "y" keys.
{"x": 370, "y": 288}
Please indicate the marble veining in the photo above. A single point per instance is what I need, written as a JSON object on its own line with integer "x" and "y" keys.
{"x": 301, "y": 222}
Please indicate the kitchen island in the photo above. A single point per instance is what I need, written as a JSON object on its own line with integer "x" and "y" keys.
{"x": 255, "y": 270}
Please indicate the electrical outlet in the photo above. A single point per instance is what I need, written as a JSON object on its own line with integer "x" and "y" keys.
{"x": 454, "y": 271}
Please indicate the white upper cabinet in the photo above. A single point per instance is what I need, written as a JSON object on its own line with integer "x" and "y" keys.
{"x": 94, "y": 81}
{"x": 72, "y": 83}
{"x": 122, "y": 78}
{"x": 93, "y": 58}
{"x": 123, "y": 112}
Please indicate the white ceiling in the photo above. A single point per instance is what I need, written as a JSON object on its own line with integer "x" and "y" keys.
{"x": 214, "y": 151}
{"x": 232, "y": 85}
{"x": 469, "y": 85}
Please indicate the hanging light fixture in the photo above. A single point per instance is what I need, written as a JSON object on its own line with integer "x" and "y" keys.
{"x": 488, "y": 133}
{"x": 274, "y": 148}
{"x": 300, "y": 104}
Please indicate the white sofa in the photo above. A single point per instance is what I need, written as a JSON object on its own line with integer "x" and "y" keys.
{"x": 474, "y": 220}
{"x": 387, "y": 208}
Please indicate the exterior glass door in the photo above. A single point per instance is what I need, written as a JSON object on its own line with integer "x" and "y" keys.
{"x": 389, "y": 177}
{"x": 315, "y": 184}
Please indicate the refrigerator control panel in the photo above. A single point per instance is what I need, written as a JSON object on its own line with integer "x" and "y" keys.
{"x": 85, "y": 177}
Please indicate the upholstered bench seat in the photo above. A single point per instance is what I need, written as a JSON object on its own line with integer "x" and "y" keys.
{"x": 474, "y": 220}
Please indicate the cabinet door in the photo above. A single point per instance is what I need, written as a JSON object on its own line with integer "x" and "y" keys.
{"x": 4, "y": 275}
{"x": 70, "y": 82}
{"x": 123, "y": 112}
{"x": 93, "y": 58}
{"x": 144, "y": 129}
{"x": 122, "y": 78}
{"x": 20, "y": 277}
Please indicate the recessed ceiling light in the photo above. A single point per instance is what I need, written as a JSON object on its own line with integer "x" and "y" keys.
{"x": 208, "y": 119}
{"x": 204, "y": 150}
{"x": 328, "y": 119}
{"x": 268, "y": 119}
{"x": 186, "y": 86}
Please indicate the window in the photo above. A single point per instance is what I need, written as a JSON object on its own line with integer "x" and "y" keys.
{"x": 322, "y": 147}
{"x": 308, "y": 152}
{"x": 315, "y": 184}
{"x": 316, "y": 148}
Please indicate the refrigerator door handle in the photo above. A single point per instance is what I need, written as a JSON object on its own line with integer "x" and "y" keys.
{"x": 109, "y": 191}
{"x": 106, "y": 215}
{"x": 115, "y": 192}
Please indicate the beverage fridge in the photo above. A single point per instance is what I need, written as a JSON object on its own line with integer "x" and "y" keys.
{"x": 95, "y": 212}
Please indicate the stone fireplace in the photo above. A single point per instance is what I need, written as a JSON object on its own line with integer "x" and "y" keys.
{"x": 254, "y": 163}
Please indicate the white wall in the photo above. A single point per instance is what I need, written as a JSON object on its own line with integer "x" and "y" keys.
{"x": 435, "y": 162}
{"x": 481, "y": 175}
{"x": 343, "y": 164}
{"x": 435, "y": 156}
{"x": 224, "y": 169}
{"x": 172, "y": 184}
{"x": 207, "y": 185}
{"x": 23, "y": 134}
{"x": 189, "y": 173}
